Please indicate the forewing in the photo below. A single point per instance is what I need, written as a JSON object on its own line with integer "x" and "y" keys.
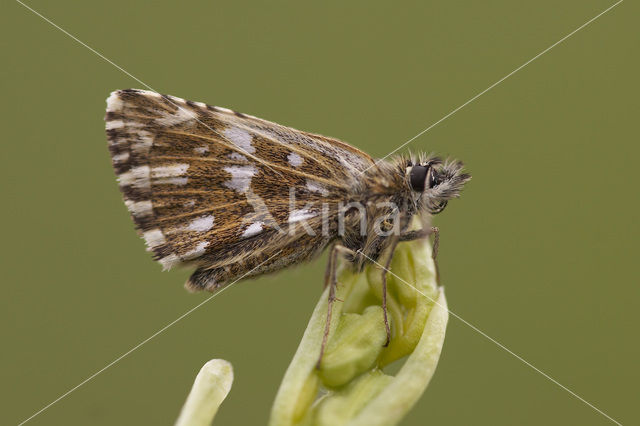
{"x": 200, "y": 179}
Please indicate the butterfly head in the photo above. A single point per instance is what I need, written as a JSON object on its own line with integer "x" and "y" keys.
{"x": 436, "y": 181}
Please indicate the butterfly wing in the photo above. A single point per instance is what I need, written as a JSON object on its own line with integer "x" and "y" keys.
{"x": 228, "y": 192}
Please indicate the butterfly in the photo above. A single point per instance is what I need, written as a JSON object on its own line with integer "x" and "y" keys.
{"x": 236, "y": 196}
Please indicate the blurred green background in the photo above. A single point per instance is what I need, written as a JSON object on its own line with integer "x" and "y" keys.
{"x": 540, "y": 253}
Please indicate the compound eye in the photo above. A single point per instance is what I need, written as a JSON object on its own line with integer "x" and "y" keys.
{"x": 417, "y": 177}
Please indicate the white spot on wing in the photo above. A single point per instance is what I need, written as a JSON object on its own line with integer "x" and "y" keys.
{"x": 253, "y": 229}
{"x": 154, "y": 238}
{"x": 172, "y": 170}
{"x": 114, "y": 124}
{"x": 178, "y": 117}
{"x": 119, "y": 158}
{"x": 240, "y": 138}
{"x": 238, "y": 157}
{"x": 169, "y": 261}
{"x": 150, "y": 94}
{"x": 137, "y": 177}
{"x": 201, "y": 224}
{"x": 294, "y": 159}
{"x": 144, "y": 142}
{"x": 114, "y": 102}
{"x": 302, "y": 214}
{"x": 198, "y": 251}
{"x": 139, "y": 208}
{"x": 240, "y": 177}
{"x": 316, "y": 187}
{"x": 202, "y": 150}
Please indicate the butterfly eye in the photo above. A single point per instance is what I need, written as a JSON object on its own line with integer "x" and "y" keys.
{"x": 417, "y": 177}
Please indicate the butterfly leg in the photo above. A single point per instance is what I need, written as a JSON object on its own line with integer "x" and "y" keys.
{"x": 407, "y": 236}
{"x": 329, "y": 268}
{"x": 385, "y": 269}
{"x": 424, "y": 233}
{"x": 332, "y": 280}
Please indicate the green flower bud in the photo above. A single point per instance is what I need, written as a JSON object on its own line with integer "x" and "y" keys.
{"x": 210, "y": 388}
{"x": 354, "y": 388}
{"x": 354, "y": 347}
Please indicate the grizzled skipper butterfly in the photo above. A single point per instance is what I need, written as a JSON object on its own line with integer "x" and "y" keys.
{"x": 238, "y": 196}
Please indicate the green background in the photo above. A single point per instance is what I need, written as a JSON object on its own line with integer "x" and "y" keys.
{"x": 540, "y": 253}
